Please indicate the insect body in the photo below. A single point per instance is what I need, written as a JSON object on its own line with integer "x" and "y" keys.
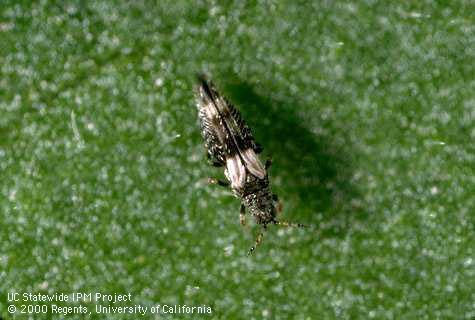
{"x": 230, "y": 144}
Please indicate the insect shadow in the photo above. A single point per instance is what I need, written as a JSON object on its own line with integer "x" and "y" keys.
{"x": 308, "y": 170}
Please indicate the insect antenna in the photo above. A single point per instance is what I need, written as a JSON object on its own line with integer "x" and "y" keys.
{"x": 289, "y": 224}
{"x": 258, "y": 241}
{"x": 260, "y": 236}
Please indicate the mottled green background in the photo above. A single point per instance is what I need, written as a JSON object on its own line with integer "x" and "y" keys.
{"x": 366, "y": 107}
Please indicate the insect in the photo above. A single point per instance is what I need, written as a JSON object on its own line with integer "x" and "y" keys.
{"x": 230, "y": 144}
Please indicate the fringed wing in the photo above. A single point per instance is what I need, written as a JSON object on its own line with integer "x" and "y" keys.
{"x": 212, "y": 126}
{"x": 253, "y": 163}
{"x": 227, "y": 137}
{"x": 235, "y": 172}
{"x": 244, "y": 140}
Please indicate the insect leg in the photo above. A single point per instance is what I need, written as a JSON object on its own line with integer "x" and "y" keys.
{"x": 242, "y": 215}
{"x": 258, "y": 240}
{"x": 218, "y": 182}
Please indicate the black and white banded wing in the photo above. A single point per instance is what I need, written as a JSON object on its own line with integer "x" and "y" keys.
{"x": 245, "y": 145}
{"x": 212, "y": 126}
{"x": 227, "y": 136}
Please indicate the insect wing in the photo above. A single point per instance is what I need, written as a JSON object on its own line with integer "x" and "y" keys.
{"x": 253, "y": 164}
{"x": 212, "y": 128}
{"x": 227, "y": 137}
{"x": 241, "y": 138}
{"x": 235, "y": 172}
